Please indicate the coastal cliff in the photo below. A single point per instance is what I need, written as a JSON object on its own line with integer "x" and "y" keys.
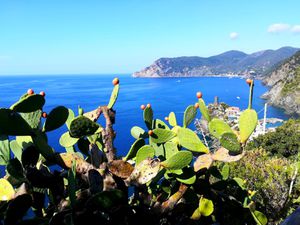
{"x": 284, "y": 80}
{"x": 226, "y": 64}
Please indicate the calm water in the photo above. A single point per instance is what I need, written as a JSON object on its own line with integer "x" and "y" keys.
{"x": 165, "y": 95}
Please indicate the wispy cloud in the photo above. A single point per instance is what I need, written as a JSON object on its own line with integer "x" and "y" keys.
{"x": 296, "y": 29}
{"x": 278, "y": 27}
{"x": 233, "y": 35}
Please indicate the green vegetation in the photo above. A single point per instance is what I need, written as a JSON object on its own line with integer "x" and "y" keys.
{"x": 171, "y": 176}
{"x": 269, "y": 177}
{"x": 283, "y": 142}
{"x": 292, "y": 85}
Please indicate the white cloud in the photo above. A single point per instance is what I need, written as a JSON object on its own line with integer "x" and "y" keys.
{"x": 296, "y": 29}
{"x": 278, "y": 27}
{"x": 233, "y": 35}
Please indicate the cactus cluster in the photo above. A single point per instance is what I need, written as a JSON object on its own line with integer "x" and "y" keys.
{"x": 168, "y": 167}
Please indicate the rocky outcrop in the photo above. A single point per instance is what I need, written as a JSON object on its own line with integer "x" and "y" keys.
{"x": 226, "y": 64}
{"x": 284, "y": 81}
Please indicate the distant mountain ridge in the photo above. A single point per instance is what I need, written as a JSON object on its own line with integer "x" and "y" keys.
{"x": 284, "y": 80}
{"x": 226, "y": 64}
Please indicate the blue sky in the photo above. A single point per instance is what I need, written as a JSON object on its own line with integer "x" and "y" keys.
{"x": 123, "y": 36}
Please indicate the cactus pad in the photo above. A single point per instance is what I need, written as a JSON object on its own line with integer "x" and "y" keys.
{"x": 204, "y": 110}
{"x": 178, "y": 161}
{"x": 138, "y": 132}
{"x": 82, "y": 126}
{"x": 148, "y": 117}
{"x": 217, "y": 127}
{"x": 172, "y": 119}
{"x": 134, "y": 148}
{"x": 56, "y": 118}
{"x": 144, "y": 172}
{"x": 7, "y": 191}
{"x": 157, "y": 123}
{"x": 33, "y": 118}
{"x": 162, "y": 135}
{"x": 114, "y": 96}
{"x": 4, "y": 150}
{"x": 29, "y": 103}
{"x": 189, "y": 115}
{"x": 143, "y": 153}
{"x": 190, "y": 140}
{"x": 11, "y": 123}
{"x": 229, "y": 141}
{"x": 67, "y": 141}
{"x": 120, "y": 168}
{"x": 247, "y": 124}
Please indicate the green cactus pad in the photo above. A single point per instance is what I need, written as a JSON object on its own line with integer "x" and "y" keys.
{"x": 82, "y": 126}
{"x": 134, "y": 148}
{"x": 157, "y": 123}
{"x": 170, "y": 149}
{"x": 138, "y": 132}
{"x": 83, "y": 145}
{"x": 162, "y": 135}
{"x": 247, "y": 124}
{"x": 217, "y": 127}
{"x": 29, "y": 103}
{"x": 143, "y": 153}
{"x": 33, "y": 118}
{"x": 11, "y": 123}
{"x": 56, "y": 118}
{"x": 178, "y": 161}
{"x": 190, "y": 140}
{"x": 30, "y": 157}
{"x": 16, "y": 149}
{"x": 24, "y": 141}
{"x": 42, "y": 146}
{"x": 204, "y": 110}
{"x": 114, "y": 96}
{"x": 172, "y": 119}
{"x": 189, "y": 115}
{"x": 67, "y": 141}
{"x": 70, "y": 118}
{"x": 225, "y": 172}
{"x": 230, "y": 141}
{"x": 15, "y": 169}
{"x": 4, "y": 150}
{"x": 188, "y": 176}
{"x": 259, "y": 217}
{"x": 206, "y": 206}
{"x": 159, "y": 148}
{"x": 148, "y": 117}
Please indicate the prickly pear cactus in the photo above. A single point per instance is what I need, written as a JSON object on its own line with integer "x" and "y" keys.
{"x": 247, "y": 124}
{"x": 29, "y": 103}
{"x": 114, "y": 96}
{"x": 56, "y": 118}
{"x": 189, "y": 140}
{"x": 148, "y": 117}
{"x": 217, "y": 127}
{"x": 33, "y": 118}
{"x": 82, "y": 126}
{"x": 230, "y": 141}
{"x": 11, "y": 123}
{"x": 162, "y": 135}
{"x": 204, "y": 110}
{"x": 178, "y": 161}
{"x": 172, "y": 119}
{"x": 189, "y": 115}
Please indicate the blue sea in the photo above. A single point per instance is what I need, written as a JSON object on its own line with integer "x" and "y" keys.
{"x": 164, "y": 94}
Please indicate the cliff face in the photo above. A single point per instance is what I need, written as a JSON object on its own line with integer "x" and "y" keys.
{"x": 284, "y": 81}
{"x": 231, "y": 62}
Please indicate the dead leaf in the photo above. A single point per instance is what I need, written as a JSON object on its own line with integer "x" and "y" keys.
{"x": 222, "y": 154}
{"x": 203, "y": 161}
{"x": 120, "y": 168}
